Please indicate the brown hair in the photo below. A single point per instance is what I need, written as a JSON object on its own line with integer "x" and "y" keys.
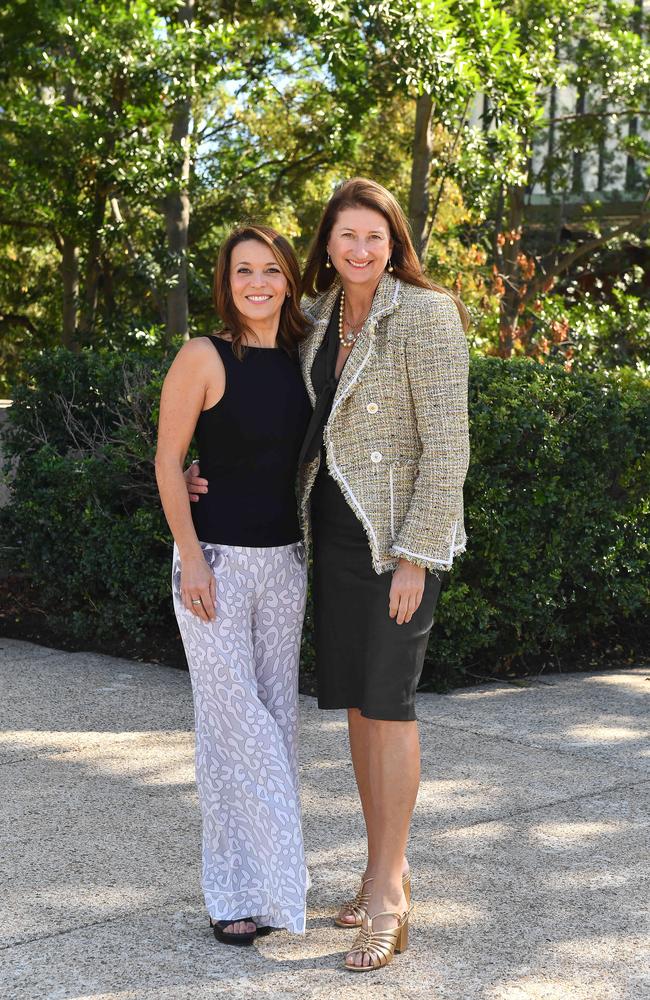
{"x": 294, "y": 325}
{"x": 361, "y": 192}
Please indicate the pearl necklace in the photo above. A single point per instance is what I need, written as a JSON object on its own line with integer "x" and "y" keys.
{"x": 350, "y": 338}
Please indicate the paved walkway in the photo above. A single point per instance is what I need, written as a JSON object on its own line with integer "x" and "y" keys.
{"x": 529, "y": 846}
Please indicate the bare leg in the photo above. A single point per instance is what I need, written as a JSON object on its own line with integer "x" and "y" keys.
{"x": 393, "y": 777}
{"x": 358, "y": 734}
{"x": 359, "y": 729}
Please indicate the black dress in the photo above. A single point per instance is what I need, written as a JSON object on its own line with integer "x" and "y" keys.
{"x": 364, "y": 659}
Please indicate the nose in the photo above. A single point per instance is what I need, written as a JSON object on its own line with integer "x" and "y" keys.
{"x": 360, "y": 248}
{"x": 258, "y": 278}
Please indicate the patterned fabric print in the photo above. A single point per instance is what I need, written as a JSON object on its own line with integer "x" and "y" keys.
{"x": 244, "y": 671}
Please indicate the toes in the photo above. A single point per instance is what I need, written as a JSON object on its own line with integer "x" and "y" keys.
{"x": 241, "y": 927}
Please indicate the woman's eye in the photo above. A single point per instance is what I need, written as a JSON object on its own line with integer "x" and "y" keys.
{"x": 243, "y": 270}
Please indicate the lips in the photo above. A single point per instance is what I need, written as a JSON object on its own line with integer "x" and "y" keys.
{"x": 258, "y": 298}
{"x": 359, "y": 265}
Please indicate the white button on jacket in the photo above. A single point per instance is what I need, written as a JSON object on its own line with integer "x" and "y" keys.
{"x": 376, "y": 456}
{"x": 372, "y": 408}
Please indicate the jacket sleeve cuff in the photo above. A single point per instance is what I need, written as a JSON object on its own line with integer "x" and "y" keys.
{"x": 434, "y": 561}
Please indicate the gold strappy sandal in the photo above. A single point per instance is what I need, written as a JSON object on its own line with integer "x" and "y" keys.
{"x": 357, "y": 907}
{"x": 380, "y": 945}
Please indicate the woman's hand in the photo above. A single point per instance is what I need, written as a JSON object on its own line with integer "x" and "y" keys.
{"x": 198, "y": 584}
{"x": 193, "y": 483}
{"x": 406, "y": 591}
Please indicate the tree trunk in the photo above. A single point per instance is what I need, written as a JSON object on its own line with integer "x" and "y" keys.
{"x": 69, "y": 266}
{"x": 177, "y": 206}
{"x": 511, "y": 298}
{"x": 108, "y": 287}
{"x": 422, "y": 153}
{"x": 93, "y": 268}
{"x": 70, "y": 279}
{"x": 430, "y": 221}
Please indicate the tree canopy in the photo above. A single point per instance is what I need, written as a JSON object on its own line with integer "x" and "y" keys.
{"x": 134, "y": 134}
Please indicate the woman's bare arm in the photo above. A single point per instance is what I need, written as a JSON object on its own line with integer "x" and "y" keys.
{"x": 195, "y": 376}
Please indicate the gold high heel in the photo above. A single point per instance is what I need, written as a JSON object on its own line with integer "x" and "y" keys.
{"x": 357, "y": 907}
{"x": 380, "y": 945}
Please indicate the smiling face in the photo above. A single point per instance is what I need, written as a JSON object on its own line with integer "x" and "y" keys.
{"x": 257, "y": 282}
{"x": 360, "y": 245}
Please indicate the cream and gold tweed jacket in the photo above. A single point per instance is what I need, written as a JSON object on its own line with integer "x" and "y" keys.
{"x": 397, "y": 437}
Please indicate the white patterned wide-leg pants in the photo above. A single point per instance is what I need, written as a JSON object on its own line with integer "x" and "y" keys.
{"x": 244, "y": 671}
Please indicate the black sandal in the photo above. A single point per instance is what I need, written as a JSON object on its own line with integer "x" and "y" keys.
{"x": 219, "y": 930}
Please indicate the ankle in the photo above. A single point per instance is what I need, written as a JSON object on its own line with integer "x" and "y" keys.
{"x": 371, "y": 869}
{"x": 389, "y": 893}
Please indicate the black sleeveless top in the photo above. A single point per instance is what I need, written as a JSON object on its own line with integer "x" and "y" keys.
{"x": 325, "y": 382}
{"x": 248, "y": 450}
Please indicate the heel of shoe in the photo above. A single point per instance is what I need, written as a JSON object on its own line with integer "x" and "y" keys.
{"x": 402, "y": 942}
{"x": 406, "y": 885}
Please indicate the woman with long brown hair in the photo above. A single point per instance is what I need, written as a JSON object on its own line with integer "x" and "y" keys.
{"x": 239, "y": 580}
{"x": 382, "y": 470}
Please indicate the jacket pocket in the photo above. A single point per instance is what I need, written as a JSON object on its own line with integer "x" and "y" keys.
{"x": 401, "y": 481}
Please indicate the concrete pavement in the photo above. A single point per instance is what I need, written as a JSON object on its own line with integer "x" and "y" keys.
{"x": 529, "y": 848}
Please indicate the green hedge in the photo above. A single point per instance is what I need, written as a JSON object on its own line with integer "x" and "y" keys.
{"x": 556, "y": 496}
{"x": 84, "y": 522}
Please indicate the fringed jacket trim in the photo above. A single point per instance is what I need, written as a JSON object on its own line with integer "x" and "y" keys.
{"x": 397, "y": 439}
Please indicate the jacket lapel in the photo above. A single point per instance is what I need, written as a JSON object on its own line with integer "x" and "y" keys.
{"x": 318, "y": 311}
{"x": 384, "y": 302}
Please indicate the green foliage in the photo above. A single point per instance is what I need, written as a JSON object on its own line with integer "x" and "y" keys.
{"x": 557, "y": 496}
{"x": 84, "y": 521}
{"x": 285, "y": 99}
{"x": 594, "y": 332}
{"x": 557, "y": 507}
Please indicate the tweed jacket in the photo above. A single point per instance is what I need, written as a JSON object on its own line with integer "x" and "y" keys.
{"x": 397, "y": 440}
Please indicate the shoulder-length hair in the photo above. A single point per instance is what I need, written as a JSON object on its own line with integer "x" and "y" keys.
{"x": 294, "y": 325}
{"x": 363, "y": 193}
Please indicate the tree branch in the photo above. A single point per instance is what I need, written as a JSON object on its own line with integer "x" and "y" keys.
{"x": 550, "y": 266}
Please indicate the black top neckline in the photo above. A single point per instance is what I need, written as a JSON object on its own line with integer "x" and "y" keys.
{"x": 249, "y": 347}
{"x": 325, "y": 384}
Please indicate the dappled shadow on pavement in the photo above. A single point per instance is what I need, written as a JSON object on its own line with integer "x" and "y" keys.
{"x": 527, "y": 849}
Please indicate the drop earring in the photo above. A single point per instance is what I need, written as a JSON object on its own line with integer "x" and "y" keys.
{"x": 328, "y": 262}
{"x": 390, "y": 265}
